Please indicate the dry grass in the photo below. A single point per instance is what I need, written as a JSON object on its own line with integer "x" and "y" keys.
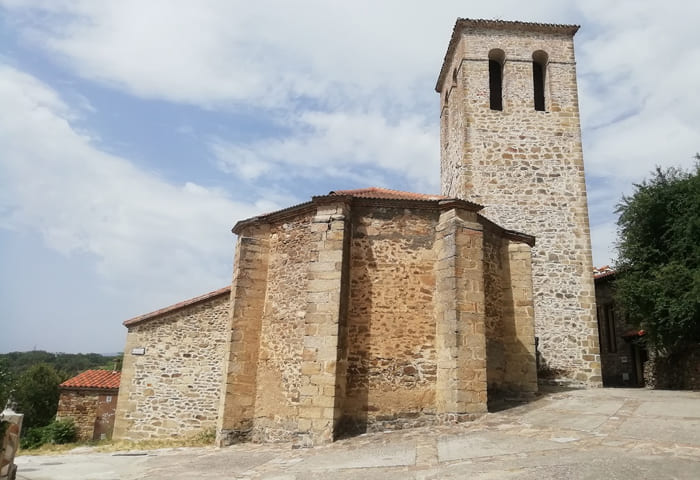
{"x": 202, "y": 439}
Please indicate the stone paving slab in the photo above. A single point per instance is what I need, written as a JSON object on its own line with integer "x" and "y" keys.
{"x": 581, "y": 434}
{"x": 574, "y": 421}
{"x": 670, "y": 430}
{"x": 491, "y": 444}
{"x": 365, "y": 457}
{"x": 669, "y": 408}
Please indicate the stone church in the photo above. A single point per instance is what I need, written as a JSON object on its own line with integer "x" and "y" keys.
{"x": 374, "y": 308}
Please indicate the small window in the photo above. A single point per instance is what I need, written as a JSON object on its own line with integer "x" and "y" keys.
{"x": 496, "y": 59}
{"x": 108, "y": 399}
{"x": 539, "y": 72}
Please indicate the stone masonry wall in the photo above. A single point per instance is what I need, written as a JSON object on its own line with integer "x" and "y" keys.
{"x": 495, "y": 295}
{"x": 461, "y": 384}
{"x": 282, "y": 331}
{"x": 526, "y": 166}
{"x": 681, "y": 371}
{"x": 239, "y": 385}
{"x": 173, "y": 389}
{"x": 391, "y": 368}
{"x": 87, "y": 409}
{"x": 364, "y": 314}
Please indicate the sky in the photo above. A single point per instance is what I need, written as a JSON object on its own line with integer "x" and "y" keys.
{"x": 134, "y": 134}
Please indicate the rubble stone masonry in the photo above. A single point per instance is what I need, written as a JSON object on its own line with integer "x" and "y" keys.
{"x": 359, "y": 314}
{"x": 392, "y": 364}
{"x": 526, "y": 166}
{"x": 172, "y": 372}
{"x": 91, "y": 410}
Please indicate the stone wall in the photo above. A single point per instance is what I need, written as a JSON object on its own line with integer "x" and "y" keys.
{"x": 680, "y": 371}
{"x": 461, "y": 385}
{"x": 526, "y": 166}
{"x": 239, "y": 386}
{"x": 92, "y": 411}
{"x": 495, "y": 287}
{"x": 391, "y": 368}
{"x": 282, "y": 332}
{"x": 173, "y": 388}
{"x": 354, "y": 314}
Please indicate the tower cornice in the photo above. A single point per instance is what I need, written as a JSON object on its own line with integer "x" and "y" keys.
{"x": 468, "y": 23}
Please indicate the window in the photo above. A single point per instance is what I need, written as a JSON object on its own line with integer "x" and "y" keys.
{"x": 539, "y": 71}
{"x": 108, "y": 399}
{"x": 496, "y": 59}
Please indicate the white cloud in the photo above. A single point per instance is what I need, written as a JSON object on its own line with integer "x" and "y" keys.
{"x": 144, "y": 232}
{"x": 640, "y": 68}
{"x": 363, "y": 146}
{"x": 217, "y": 52}
{"x": 357, "y": 78}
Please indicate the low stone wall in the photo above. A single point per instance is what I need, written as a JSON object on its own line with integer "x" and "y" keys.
{"x": 677, "y": 372}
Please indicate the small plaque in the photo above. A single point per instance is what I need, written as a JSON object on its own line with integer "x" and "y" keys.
{"x": 138, "y": 351}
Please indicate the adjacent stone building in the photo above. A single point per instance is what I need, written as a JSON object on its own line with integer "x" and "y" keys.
{"x": 374, "y": 308}
{"x": 622, "y": 349}
{"x": 90, "y": 400}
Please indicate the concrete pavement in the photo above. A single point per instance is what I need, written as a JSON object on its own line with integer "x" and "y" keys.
{"x": 578, "y": 434}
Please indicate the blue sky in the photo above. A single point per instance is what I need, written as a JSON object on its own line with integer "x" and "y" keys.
{"x": 134, "y": 134}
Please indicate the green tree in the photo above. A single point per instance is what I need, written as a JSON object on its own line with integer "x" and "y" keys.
{"x": 658, "y": 284}
{"x": 6, "y": 383}
{"x": 36, "y": 394}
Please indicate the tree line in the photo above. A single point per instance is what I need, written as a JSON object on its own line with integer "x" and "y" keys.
{"x": 31, "y": 379}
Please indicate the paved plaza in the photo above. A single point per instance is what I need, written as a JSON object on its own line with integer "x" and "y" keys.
{"x": 578, "y": 434}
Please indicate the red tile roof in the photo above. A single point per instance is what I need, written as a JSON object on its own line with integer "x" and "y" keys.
{"x": 634, "y": 333}
{"x": 377, "y": 192}
{"x": 602, "y": 272}
{"x": 176, "y": 306}
{"x": 106, "y": 379}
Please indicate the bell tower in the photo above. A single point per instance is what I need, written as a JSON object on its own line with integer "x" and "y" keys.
{"x": 511, "y": 140}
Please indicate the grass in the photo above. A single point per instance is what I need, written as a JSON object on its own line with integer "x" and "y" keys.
{"x": 200, "y": 439}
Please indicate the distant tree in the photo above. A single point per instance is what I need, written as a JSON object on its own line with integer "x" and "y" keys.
{"x": 6, "y": 383}
{"x": 67, "y": 364}
{"x": 36, "y": 394}
{"x": 658, "y": 284}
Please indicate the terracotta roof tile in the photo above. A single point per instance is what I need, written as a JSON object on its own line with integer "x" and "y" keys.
{"x": 602, "y": 272}
{"x": 94, "y": 379}
{"x": 378, "y": 192}
{"x": 176, "y": 306}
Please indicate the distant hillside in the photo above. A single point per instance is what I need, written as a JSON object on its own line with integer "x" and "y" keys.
{"x": 66, "y": 364}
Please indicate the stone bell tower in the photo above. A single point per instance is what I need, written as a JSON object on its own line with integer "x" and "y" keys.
{"x": 511, "y": 140}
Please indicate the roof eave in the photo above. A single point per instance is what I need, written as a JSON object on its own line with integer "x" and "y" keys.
{"x": 177, "y": 306}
